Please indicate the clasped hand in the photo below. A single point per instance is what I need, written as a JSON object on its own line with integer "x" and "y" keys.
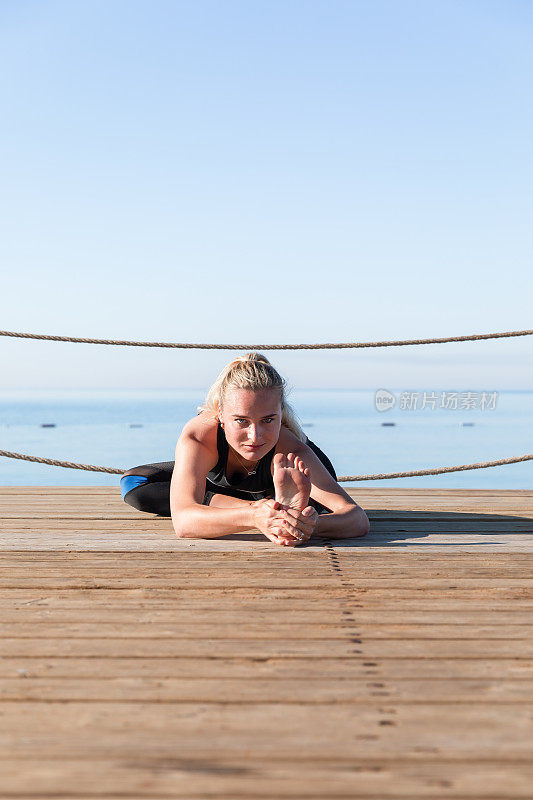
{"x": 282, "y": 524}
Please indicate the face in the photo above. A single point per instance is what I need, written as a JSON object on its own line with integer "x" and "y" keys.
{"x": 252, "y": 421}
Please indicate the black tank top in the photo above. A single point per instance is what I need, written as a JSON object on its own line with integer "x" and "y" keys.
{"x": 258, "y": 484}
{"x": 255, "y": 486}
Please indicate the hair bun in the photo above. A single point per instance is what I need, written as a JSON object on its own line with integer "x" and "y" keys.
{"x": 236, "y": 361}
{"x": 253, "y": 356}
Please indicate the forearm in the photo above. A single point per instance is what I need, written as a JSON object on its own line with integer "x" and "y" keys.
{"x": 227, "y": 501}
{"x": 343, "y": 525}
{"x": 206, "y": 522}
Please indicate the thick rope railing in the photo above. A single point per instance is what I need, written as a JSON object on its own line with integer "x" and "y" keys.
{"x": 322, "y": 346}
{"x": 68, "y": 464}
{"x": 343, "y": 479}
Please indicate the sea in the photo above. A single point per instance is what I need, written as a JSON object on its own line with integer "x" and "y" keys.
{"x": 362, "y": 432}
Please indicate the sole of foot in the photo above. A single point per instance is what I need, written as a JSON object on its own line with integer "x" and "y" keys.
{"x": 292, "y": 483}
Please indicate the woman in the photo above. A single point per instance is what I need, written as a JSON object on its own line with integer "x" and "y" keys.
{"x": 244, "y": 462}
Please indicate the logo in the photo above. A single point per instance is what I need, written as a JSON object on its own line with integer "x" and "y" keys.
{"x": 384, "y": 400}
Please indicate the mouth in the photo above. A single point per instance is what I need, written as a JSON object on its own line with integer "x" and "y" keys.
{"x": 254, "y": 446}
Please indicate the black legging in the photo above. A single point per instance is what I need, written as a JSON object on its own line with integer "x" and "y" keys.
{"x": 147, "y": 487}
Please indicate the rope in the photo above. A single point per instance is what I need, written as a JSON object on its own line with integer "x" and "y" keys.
{"x": 343, "y": 479}
{"x": 68, "y": 464}
{"x": 325, "y": 346}
{"x": 436, "y": 471}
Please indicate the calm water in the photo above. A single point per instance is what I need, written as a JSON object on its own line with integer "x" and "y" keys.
{"x": 95, "y": 428}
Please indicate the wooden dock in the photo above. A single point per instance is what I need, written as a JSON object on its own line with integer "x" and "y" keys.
{"x": 137, "y": 665}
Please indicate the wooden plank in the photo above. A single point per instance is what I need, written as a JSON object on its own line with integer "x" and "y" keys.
{"x": 280, "y": 559}
{"x": 257, "y": 618}
{"x": 102, "y": 730}
{"x": 367, "y": 574}
{"x": 472, "y": 548}
{"x": 175, "y": 568}
{"x": 256, "y": 545}
{"x": 274, "y": 582}
{"x": 211, "y": 647}
{"x": 294, "y": 776}
{"x": 273, "y": 629}
{"x": 267, "y": 604}
{"x": 147, "y": 529}
{"x": 86, "y": 511}
{"x": 467, "y": 522}
{"x": 307, "y": 690}
{"x": 334, "y": 593}
{"x": 238, "y": 668}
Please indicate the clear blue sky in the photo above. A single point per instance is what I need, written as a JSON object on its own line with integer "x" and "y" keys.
{"x": 278, "y": 172}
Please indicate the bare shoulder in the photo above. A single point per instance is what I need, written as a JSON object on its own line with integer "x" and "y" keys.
{"x": 196, "y": 454}
{"x": 201, "y": 429}
{"x": 288, "y": 442}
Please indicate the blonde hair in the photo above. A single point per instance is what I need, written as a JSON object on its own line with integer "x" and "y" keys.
{"x": 253, "y": 371}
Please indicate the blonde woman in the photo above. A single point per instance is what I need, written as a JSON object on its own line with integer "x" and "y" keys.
{"x": 244, "y": 462}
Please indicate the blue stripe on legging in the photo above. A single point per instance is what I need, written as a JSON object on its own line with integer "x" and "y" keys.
{"x": 129, "y": 482}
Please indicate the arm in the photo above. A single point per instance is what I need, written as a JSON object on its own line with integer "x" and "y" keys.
{"x": 343, "y": 524}
{"x": 190, "y": 518}
{"x": 347, "y": 519}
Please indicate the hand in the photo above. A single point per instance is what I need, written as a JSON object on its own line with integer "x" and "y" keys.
{"x": 275, "y": 522}
{"x": 304, "y": 521}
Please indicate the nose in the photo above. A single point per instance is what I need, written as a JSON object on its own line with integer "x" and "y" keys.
{"x": 254, "y": 434}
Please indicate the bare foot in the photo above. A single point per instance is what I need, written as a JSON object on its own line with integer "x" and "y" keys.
{"x": 291, "y": 481}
